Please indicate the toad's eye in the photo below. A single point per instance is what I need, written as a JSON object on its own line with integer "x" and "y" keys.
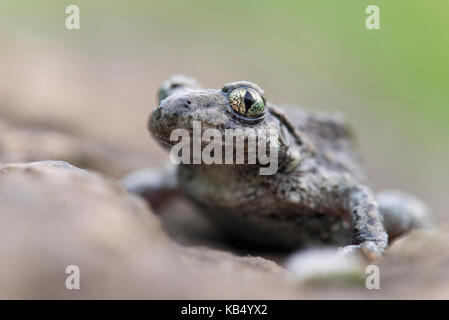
{"x": 247, "y": 102}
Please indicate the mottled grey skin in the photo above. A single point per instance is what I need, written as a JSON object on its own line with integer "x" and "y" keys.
{"x": 318, "y": 196}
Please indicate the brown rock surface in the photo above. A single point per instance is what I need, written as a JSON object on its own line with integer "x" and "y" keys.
{"x": 417, "y": 266}
{"x": 34, "y": 142}
{"x": 53, "y": 215}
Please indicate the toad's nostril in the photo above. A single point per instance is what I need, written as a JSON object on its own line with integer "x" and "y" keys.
{"x": 187, "y": 104}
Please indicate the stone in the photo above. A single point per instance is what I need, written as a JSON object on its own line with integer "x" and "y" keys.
{"x": 34, "y": 143}
{"x": 54, "y": 215}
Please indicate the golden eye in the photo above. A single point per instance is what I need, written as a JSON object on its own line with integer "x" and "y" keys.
{"x": 247, "y": 102}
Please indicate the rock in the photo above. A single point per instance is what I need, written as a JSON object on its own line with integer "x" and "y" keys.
{"x": 327, "y": 266}
{"x": 196, "y": 257}
{"x": 53, "y": 215}
{"x": 35, "y": 143}
{"x": 417, "y": 266}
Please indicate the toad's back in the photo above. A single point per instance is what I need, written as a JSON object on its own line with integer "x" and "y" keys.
{"x": 251, "y": 207}
{"x": 331, "y": 139}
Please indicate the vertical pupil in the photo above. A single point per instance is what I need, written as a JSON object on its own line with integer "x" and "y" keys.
{"x": 248, "y": 100}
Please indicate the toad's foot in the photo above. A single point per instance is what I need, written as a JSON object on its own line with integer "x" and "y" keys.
{"x": 402, "y": 212}
{"x": 367, "y": 249}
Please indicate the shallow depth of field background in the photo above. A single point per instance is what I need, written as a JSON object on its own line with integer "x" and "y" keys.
{"x": 100, "y": 82}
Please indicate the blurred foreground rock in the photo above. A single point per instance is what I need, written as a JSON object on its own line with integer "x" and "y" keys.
{"x": 417, "y": 266}
{"x": 53, "y": 215}
{"x": 34, "y": 142}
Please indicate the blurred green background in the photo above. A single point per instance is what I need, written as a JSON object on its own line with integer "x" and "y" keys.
{"x": 392, "y": 83}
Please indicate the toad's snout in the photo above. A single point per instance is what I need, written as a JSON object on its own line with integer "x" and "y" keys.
{"x": 174, "y": 112}
{"x": 184, "y": 107}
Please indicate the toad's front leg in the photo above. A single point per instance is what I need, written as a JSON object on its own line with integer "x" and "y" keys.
{"x": 335, "y": 193}
{"x": 368, "y": 232}
{"x": 156, "y": 185}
